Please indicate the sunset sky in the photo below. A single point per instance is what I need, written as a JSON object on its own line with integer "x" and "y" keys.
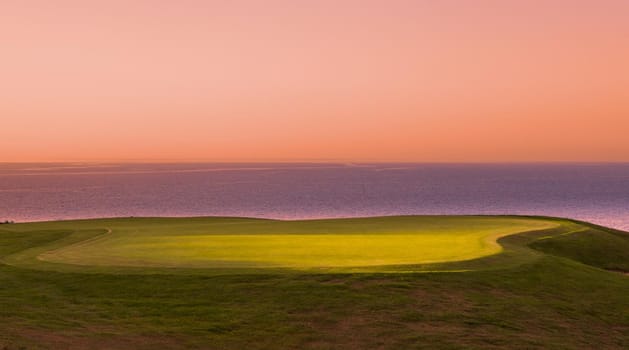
{"x": 319, "y": 80}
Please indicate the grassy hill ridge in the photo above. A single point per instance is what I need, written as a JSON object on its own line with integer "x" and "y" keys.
{"x": 546, "y": 289}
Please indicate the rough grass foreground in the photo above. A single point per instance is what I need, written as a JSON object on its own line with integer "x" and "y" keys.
{"x": 114, "y": 284}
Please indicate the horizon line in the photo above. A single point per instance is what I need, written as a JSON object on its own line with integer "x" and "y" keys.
{"x": 310, "y": 161}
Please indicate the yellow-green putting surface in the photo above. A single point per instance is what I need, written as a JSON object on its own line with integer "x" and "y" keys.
{"x": 309, "y": 244}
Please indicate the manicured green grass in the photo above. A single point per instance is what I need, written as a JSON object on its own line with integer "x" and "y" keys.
{"x": 509, "y": 297}
{"x": 327, "y": 244}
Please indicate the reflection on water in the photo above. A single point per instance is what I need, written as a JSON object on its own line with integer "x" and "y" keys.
{"x": 594, "y": 192}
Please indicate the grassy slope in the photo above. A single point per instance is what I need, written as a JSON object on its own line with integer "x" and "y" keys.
{"x": 596, "y": 246}
{"x": 519, "y": 299}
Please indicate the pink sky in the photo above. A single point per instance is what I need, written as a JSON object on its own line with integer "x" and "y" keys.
{"x": 272, "y": 80}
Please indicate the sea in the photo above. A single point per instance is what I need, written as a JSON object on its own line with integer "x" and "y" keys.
{"x": 597, "y": 192}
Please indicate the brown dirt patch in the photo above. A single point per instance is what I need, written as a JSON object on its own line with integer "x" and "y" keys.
{"x": 88, "y": 339}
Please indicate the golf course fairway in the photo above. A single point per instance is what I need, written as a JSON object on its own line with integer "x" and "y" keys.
{"x": 439, "y": 282}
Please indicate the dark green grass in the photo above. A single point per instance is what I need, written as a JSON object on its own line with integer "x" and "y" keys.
{"x": 596, "y": 246}
{"x": 547, "y": 299}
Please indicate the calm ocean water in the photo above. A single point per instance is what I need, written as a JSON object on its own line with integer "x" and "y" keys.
{"x": 593, "y": 192}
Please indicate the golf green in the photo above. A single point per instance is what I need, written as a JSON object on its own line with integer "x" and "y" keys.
{"x": 214, "y": 243}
